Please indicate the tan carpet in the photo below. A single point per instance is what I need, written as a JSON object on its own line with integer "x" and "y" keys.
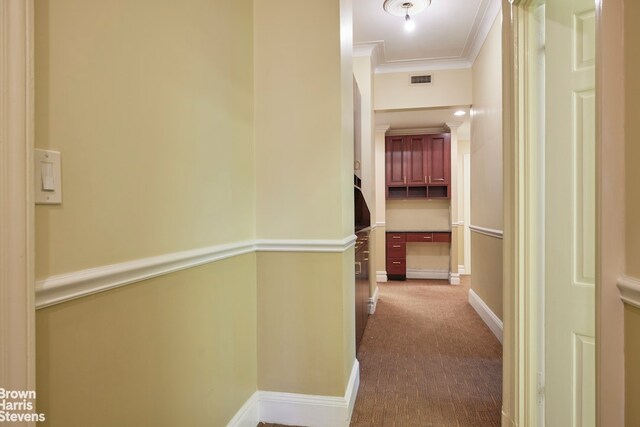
{"x": 427, "y": 359}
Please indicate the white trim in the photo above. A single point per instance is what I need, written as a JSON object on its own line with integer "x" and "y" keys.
{"x": 381, "y": 276}
{"x": 249, "y": 414}
{"x": 416, "y": 131}
{"x": 68, "y": 286}
{"x": 17, "y": 314}
{"x": 310, "y": 410}
{"x": 454, "y": 278}
{"x": 493, "y": 322}
{"x": 382, "y": 128}
{"x": 490, "y": 14}
{"x": 423, "y": 65}
{"x": 418, "y": 273}
{"x": 299, "y": 245}
{"x": 373, "y": 301}
{"x": 487, "y": 231}
{"x": 629, "y": 290}
{"x": 461, "y": 270}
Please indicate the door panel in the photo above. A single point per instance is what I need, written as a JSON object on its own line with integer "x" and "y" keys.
{"x": 570, "y": 213}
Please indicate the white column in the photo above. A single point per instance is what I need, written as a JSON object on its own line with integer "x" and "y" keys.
{"x": 380, "y": 202}
{"x": 454, "y": 276}
{"x": 17, "y": 309}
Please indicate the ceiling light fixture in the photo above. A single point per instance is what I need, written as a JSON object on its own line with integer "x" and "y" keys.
{"x": 460, "y": 113}
{"x": 406, "y": 9}
{"x": 409, "y": 25}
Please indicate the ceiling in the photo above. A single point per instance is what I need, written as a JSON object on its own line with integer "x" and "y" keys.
{"x": 448, "y": 34}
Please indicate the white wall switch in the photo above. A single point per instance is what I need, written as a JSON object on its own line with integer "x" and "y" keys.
{"x": 48, "y": 179}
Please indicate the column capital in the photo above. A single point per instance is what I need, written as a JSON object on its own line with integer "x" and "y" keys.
{"x": 453, "y": 125}
{"x": 382, "y": 128}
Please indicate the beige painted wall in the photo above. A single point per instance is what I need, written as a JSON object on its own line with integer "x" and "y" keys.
{"x": 179, "y": 349}
{"x": 418, "y": 215}
{"x": 632, "y": 368}
{"x": 632, "y": 235}
{"x": 449, "y": 87}
{"x": 154, "y": 123}
{"x": 486, "y": 281}
{"x": 486, "y": 178}
{"x": 632, "y": 130}
{"x": 464, "y": 147}
{"x": 155, "y": 126}
{"x": 304, "y": 178}
{"x": 303, "y": 344}
{"x": 303, "y": 126}
{"x": 363, "y": 72}
{"x": 486, "y": 134}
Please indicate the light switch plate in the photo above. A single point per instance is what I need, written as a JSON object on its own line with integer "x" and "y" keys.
{"x": 48, "y": 177}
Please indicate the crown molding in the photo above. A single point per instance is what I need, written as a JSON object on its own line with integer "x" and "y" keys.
{"x": 424, "y": 65}
{"x": 416, "y": 131}
{"x": 490, "y": 14}
{"x": 382, "y": 128}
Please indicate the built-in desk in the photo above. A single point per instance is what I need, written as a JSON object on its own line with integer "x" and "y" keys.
{"x": 397, "y": 248}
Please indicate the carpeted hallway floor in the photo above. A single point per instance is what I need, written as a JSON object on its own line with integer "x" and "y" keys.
{"x": 427, "y": 359}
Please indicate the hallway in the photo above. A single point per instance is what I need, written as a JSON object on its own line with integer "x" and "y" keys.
{"x": 427, "y": 359}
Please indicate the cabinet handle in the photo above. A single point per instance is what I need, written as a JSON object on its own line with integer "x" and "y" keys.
{"x": 429, "y": 179}
{"x": 426, "y": 237}
{"x": 366, "y": 259}
{"x": 425, "y": 179}
{"x": 358, "y": 268}
{"x": 396, "y": 237}
{"x": 396, "y": 262}
{"x": 397, "y": 246}
{"x": 405, "y": 179}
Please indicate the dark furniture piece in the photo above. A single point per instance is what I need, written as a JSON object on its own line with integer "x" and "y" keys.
{"x": 397, "y": 249}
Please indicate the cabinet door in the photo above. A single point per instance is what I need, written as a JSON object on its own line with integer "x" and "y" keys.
{"x": 395, "y": 161}
{"x": 438, "y": 159}
{"x": 416, "y": 160}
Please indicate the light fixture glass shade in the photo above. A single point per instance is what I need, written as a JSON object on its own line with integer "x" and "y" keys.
{"x": 460, "y": 113}
{"x": 409, "y": 24}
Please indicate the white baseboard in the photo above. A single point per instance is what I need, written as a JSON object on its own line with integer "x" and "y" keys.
{"x": 461, "y": 270}
{"x": 454, "y": 279}
{"x": 381, "y": 276}
{"x": 485, "y": 313}
{"x": 249, "y": 413}
{"x": 427, "y": 274}
{"x": 300, "y": 409}
{"x": 373, "y": 301}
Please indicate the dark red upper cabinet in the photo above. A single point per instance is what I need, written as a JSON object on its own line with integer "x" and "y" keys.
{"x": 416, "y": 160}
{"x": 395, "y": 161}
{"x": 438, "y": 159}
{"x": 418, "y": 166}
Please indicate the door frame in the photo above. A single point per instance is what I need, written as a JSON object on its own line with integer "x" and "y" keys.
{"x": 523, "y": 268}
{"x": 17, "y": 294}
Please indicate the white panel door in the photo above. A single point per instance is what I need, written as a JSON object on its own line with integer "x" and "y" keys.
{"x": 570, "y": 213}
